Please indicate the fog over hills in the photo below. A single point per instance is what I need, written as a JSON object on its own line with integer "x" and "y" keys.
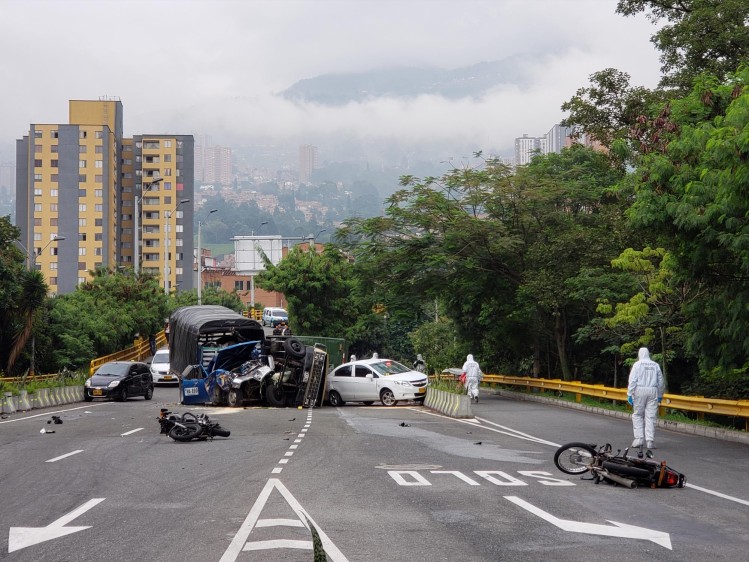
{"x": 466, "y": 82}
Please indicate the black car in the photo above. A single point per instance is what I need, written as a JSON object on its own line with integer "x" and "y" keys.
{"x": 120, "y": 380}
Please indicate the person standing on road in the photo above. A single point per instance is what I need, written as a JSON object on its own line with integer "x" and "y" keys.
{"x": 644, "y": 393}
{"x": 472, "y": 371}
{"x": 419, "y": 364}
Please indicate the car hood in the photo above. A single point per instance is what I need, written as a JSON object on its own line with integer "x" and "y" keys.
{"x": 232, "y": 356}
{"x": 410, "y": 376}
{"x": 100, "y": 380}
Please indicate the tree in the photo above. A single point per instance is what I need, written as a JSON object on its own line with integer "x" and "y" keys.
{"x": 318, "y": 288}
{"x": 691, "y": 194}
{"x": 699, "y": 36}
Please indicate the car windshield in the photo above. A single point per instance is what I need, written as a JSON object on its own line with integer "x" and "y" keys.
{"x": 388, "y": 367}
{"x": 112, "y": 370}
{"x": 161, "y": 358}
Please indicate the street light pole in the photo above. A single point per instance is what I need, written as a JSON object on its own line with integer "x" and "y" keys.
{"x": 167, "y": 216}
{"x": 136, "y": 236}
{"x": 313, "y": 246}
{"x": 200, "y": 260}
{"x": 32, "y": 266}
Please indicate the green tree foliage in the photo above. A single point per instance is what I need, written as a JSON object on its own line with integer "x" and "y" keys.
{"x": 318, "y": 289}
{"x": 698, "y": 36}
{"x": 103, "y": 316}
{"x": 13, "y": 273}
{"x": 692, "y": 195}
{"x": 440, "y": 344}
{"x": 209, "y": 295}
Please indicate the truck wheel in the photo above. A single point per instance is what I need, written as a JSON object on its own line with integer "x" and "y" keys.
{"x": 235, "y": 397}
{"x": 275, "y": 396}
{"x": 294, "y": 348}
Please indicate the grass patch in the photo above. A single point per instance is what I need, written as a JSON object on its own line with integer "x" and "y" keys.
{"x": 448, "y": 386}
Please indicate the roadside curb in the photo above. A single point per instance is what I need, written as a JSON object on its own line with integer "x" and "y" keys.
{"x": 693, "y": 429}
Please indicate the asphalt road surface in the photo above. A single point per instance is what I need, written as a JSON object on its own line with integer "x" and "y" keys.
{"x": 374, "y": 483}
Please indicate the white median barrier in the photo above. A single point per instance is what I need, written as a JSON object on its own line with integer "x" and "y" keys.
{"x": 449, "y": 403}
{"x": 24, "y": 404}
{"x": 8, "y": 405}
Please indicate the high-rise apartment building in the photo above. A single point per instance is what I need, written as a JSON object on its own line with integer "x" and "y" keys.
{"x": 218, "y": 165}
{"x": 307, "y": 162}
{"x": 80, "y": 181}
{"x": 525, "y": 148}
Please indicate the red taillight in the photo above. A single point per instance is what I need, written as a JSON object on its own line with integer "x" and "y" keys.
{"x": 672, "y": 479}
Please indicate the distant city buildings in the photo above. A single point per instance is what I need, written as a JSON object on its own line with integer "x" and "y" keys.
{"x": 79, "y": 186}
{"x": 213, "y": 164}
{"x": 307, "y": 162}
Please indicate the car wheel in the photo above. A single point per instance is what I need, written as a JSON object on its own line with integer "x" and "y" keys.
{"x": 388, "y": 398}
{"x": 87, "y": 398}
{"x": 123, "y": 395}
{"x": 235, "y": 397}
{"x": 368, "y": 403}
{"x": 149, "y": 393}
{"x": 275, "y": 396}
{"x": 218, "y": 396}
{"x": 335, "y": 399}
{"x": 294, "y": 348}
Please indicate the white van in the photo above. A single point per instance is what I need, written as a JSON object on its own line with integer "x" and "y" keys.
{"x": 160, "y": 367}
{"x": 274, "y": 316}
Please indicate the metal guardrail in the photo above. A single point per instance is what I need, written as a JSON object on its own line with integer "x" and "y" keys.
{"x": 253, "y": 313}
{"x": 699, "y": 404}
{"x": 28, "y": 378}
{"x": 137, "y": 352}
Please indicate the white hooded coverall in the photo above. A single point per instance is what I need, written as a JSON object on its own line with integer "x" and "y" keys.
{"x": 646, "y": 387}
{"x": 473, "y": 376}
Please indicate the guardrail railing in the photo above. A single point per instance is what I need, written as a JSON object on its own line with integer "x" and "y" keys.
{"x": 137, "y": 352}
{"x": 29, "y": 378}
{"x": 698, "y": 404}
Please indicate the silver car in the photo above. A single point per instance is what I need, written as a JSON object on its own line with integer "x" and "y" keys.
{"x": 370, "y": 380}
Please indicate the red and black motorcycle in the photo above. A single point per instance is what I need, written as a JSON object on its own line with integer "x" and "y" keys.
{"x": 618, "y": 468}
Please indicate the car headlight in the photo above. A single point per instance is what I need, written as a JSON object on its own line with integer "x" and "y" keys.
{"x": 87, "y": 384}
{"x": 113, "y": 384}
{"x": 402, "y": 383}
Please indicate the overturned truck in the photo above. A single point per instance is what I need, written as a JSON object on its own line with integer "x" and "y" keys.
{"x": 224, "y": 358}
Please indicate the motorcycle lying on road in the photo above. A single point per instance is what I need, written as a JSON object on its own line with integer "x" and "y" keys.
{"x": 618, "y": 468}
{"x": 188, "y": 426}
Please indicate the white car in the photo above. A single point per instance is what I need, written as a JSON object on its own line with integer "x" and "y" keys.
{"x": 369, "y": 380}
{"x": 160, "y": 368}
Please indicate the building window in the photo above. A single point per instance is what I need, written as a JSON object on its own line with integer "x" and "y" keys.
{"x": 53, "y": 280}
{"x": 167, "y": 157}
{"x": 239, "y": 285}
{"x": 128, "y": 161}
{"x": 98, "y": 192}
{"x": 81, "y": 163}
{"x": 82, "y": 208}
{"x": 128, "y": 175}
{"x": 167, "y": 144}
{"x": 53, "y": 222}
{"x": 81, "y": 177}
{"x": 82, "y": 148}
{"x": 81, "y": 280}
{"x": 38, "y": 177}
{"x": 99, "y": 134}
{"x": 167, "y": 186}
{"x": 53, "y": 192}
{"x": 98, "y": 207}
{"x": 54, "y": 177}
{"x": 81, "y": 193}
{"x": 55, "y": 163}
{"x": 98, "y": 236}
{"x": 99, "y": 149}
{"x": 81, "y": 222}
{"x": 97, "y": 251}
{"x": 82, "y": 251}
{"x": 53, "y": 207}
{"x": 81, "y": 266}
{"x": 37, "y": 148}
{"x": 53, "y": 251}
{"x": 37, "y": 236}
{"x": 81, "y": 236}
{"x": 38, "y": 208}
{"x": 98, "y": 178}
{"x": 99, "y": 163}
{"x": 37, "y": 192}
{"x": 37, "y": 134}
{"x": 167, "y": 172}
{"x": 54, "y": 134}
{"x": 38, "y": 163}
{"x": 54, "y": 148}
{"x": 151, "y": 145}
{"x": 53, "y": 265}
{"x": 37, "y": 222}
{"x": 82, "y": 134}
{"x": 98, "y": 222}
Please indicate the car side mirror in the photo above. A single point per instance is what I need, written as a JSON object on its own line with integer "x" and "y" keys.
{"x": 369, "y": 376}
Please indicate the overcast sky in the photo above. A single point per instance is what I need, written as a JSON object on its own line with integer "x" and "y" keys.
{"x": 214, "y": 66}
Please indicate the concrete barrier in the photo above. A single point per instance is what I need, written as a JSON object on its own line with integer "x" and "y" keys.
{"x": 8, "y": 406}
{"x": 449, "y": 403}
{"x": 23, "y": 401}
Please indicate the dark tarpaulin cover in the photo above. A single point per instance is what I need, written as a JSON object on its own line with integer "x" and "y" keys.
{"x": 193, "y": 327}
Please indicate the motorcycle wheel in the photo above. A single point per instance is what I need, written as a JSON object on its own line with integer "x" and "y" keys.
{"x": 185, "y": 434}
{"x": 574, "y": 458}
{"x": 220, "y": 431}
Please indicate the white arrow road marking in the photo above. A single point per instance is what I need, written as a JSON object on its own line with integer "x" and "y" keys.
{"x": 21, "y": 537}
{"x": 239, "y": 542}
{"x": 619, "y": 530}
{"x": 65, "y": 456}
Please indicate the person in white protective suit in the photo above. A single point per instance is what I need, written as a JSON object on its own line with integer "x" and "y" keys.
{"x": 473, "y": 376}
{"x": 644, "y": 393}
{"x": 419, "y": 364}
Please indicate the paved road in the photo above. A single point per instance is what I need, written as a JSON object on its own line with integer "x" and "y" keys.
{"x": 377, "y": 483}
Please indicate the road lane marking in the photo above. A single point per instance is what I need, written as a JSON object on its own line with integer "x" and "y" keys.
{"x": 22, "y": 537}
{"x": 714, "y": 493}
{"x": 283, "y": 461}
{"x": 277, "y": 470}
{"x": 458, "y": 474}
{"x": 241, "y": 543}
{"x": 622, "y": 530}
{"x": 55, "y": 412}
{"x": 293, "y": 446}
{"x": 65, "y": 456}
{"x": 288, "y": 453}
{"x": 131, "y": 432}
{"x": 520, "y": 434}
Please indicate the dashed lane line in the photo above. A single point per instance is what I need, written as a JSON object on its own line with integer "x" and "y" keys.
{"x": 66, "y": 455}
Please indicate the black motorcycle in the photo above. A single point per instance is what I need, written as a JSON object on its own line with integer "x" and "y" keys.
{"x": 188, "y": 426}
{"x": 618, "y": 468}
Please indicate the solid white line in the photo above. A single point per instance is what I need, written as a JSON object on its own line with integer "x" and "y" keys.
{"x": 714, "y": 493}
{"x": 65, "y": 456}
{"x": 279, "y": 523}
{"x": 131, "y": 432}
{"x": 280, "y": 543}
{"x": 277, "y": 470}
{"x": 55, "y": 412}
{"x": 520, "y": 433}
